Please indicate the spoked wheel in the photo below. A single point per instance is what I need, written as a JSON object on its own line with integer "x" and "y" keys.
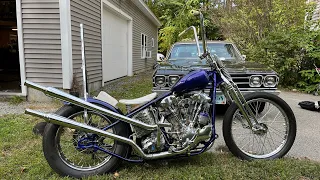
{"x": 71, "y": 152}
{"x": 72, "y": 143}
{"x": 272, "y": 138}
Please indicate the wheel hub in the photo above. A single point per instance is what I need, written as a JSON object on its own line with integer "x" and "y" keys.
{"x": 83, "y": 140}
{"x": 260, "y": 129}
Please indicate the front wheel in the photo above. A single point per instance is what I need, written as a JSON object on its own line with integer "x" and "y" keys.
{"x": 276, "y": 137}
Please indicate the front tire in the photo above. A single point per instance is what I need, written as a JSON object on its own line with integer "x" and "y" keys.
{"x": 69, "y": 160}
{"x": 277, "y": 138}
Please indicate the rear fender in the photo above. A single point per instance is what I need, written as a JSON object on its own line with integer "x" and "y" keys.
{"x": 102, "y": 104}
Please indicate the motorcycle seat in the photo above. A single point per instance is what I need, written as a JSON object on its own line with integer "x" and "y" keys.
{"x": 103, "y": 96}
{"x": 141, "y": 100}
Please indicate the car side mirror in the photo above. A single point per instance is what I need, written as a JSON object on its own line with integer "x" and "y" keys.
{"x": 244, "y": 57}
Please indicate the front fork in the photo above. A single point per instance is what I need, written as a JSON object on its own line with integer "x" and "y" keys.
{"x": 232, "y": 92}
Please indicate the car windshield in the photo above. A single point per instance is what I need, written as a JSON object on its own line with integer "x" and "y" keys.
{"x": 187, "y": 53}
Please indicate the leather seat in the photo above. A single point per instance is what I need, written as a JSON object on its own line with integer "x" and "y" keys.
{"x": 141, "y": 100}
{"x": 103, "y": 96}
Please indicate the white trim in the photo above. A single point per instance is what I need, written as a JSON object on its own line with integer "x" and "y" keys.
{"x": 110, "y": 6}
{"x": 144, "y": 8}
{"x": 66, "y": 43}
{"x": 107, "y": 4}
{"x": 130, "y": 62}
{"x": 102, "y": 40}
{"x": 21, "y": 49}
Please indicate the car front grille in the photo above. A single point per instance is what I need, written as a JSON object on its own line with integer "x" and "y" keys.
{"x": 242, "y": 81}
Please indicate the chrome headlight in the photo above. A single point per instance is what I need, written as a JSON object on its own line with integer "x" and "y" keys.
{"x": 173, "y": 80}
{"x": 160, "y": 81}
{"x": 255, "y": 81}
{"x": 270, "y": 81}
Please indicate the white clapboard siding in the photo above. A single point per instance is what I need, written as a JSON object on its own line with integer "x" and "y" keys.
{"x": 316, "y": 14}
{"x": 42, "y": 41}
{"x": 141, "y": 24}
{"x": 88, "y": 13}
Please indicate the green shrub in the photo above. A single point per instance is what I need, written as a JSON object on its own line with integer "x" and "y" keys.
{"x": 280, "y": 34}
{"x": 309, "y": 80}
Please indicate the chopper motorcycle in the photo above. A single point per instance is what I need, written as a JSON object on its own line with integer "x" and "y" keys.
{"x": 92, "y": 136}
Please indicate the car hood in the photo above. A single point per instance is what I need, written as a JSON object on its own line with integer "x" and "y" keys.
{"x": 239, "y": 67}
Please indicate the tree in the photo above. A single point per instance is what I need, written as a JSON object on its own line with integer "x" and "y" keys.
{"x": 175, "y": 17}
{"x": 278, "y": 33}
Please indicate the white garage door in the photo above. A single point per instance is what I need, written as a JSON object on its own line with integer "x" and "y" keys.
{"x": 115, "y": 47}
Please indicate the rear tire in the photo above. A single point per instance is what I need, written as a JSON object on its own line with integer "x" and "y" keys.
{"x": 57, "y": 160}
{"x": 233, "y": 118}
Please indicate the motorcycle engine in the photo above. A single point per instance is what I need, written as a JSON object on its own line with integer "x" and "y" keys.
{"x": 186, "y": 113}
{"x": 148, "y": 138}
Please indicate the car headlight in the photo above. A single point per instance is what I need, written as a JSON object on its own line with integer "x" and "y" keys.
{"x": 160, "y": 80}
{"x": 255, "y": 81}
{"x": 173, "y": 80}
{"x": 270, "y": 81}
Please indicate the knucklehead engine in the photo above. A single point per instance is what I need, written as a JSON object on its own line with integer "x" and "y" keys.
{"x": 189, "y": 118}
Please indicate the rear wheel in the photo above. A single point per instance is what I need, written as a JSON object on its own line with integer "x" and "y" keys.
{"x": 68, "y": 151}
{"x": 273, "y": 140}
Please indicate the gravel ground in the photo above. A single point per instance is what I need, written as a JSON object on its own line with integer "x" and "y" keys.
{"x": 8, "y": 108}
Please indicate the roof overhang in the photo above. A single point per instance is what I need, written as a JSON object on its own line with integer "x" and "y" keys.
{"x": 144, "y": 8}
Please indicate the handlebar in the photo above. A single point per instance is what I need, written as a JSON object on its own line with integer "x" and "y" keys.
{"x": 203, "y": 33}
{"x": 195, "y": 37}
{"x": 214, "y": 61}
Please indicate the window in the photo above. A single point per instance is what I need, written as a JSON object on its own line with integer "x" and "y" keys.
{"x": 143, "y": 46}
{"x": 152, "y": 42}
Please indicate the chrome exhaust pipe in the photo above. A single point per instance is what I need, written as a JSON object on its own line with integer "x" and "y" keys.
{"x": 62, "y": 121}
{"x": 55, "y": 93}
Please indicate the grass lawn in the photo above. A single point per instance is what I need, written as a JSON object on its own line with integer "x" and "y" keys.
{"x": 21, "y": 153}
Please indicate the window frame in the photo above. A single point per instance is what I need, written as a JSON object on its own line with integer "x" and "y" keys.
{"x": 152, "y": 42}
{"x": 143, "y": 44}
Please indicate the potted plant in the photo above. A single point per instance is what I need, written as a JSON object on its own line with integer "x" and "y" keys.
{"x": 75, "y": 86}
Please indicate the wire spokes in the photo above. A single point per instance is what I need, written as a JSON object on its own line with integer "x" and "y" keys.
{"x": 76, "y": 148}
{"x": 265, "y": 143}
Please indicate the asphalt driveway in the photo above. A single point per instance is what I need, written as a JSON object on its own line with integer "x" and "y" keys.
{"x": 307, "y": 143}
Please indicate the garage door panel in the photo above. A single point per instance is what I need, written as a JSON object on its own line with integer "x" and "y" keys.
{"x": 115, "y": 46}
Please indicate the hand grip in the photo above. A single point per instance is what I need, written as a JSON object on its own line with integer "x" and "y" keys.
{"x": 182, "y": 33}
{"x": 195, "y": 13}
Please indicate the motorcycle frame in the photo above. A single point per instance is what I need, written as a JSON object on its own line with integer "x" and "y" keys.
{"x": 56, "y": 119}
{"x": 215, "y": 81}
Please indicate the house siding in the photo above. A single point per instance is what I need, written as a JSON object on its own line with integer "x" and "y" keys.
{"x": 316, "y": 14}
{"x": 42, "y": 41}
{"x": 140, "y": 24}
{"x": 87, "y": 12}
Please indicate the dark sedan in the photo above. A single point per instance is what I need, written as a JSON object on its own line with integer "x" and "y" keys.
{"x": 183, "y": 57}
